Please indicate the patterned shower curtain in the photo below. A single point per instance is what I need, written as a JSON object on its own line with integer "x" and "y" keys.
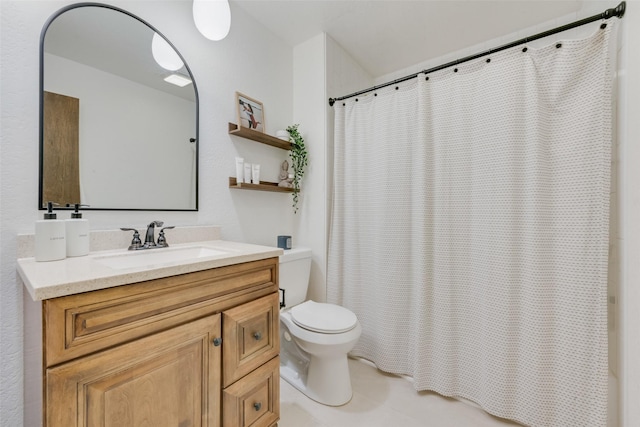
{"x": 470, "y": 227}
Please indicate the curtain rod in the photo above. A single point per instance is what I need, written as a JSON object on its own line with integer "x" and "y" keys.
{"x": 617, "y": 11}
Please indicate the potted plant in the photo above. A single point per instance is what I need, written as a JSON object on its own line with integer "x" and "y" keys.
{"x": 298, "y": 156}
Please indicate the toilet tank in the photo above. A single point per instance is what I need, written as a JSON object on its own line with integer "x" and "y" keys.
{"x": 295, "y": 266}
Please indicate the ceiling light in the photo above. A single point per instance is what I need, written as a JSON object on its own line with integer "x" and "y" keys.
{"x": 164, "y": 54}
{"x": 212, "y": 18}
{"x": 178, "y": 80}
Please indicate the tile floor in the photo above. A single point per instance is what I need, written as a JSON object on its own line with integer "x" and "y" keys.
{"x": 382, "y": 400}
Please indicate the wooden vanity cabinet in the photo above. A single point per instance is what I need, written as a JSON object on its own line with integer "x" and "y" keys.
{"x": 198, "y": 349}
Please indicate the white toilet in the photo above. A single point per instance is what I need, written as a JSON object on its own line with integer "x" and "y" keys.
{"x": 314, "y": 337}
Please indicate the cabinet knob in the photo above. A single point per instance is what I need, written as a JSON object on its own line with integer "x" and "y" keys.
{"x": 257, "y": 406}
{"x": 217, "y": 341}
{"x": 257, "y": 336}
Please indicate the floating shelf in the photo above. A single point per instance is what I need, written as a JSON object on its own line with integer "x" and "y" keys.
{"x": 263, "y": 186}
{"x": 258, "y": 136}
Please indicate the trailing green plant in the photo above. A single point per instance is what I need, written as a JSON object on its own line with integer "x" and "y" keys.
{"x": 298, "y": 156}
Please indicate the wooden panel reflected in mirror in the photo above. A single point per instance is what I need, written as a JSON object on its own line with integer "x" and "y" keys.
{"x": 61, "y": 171}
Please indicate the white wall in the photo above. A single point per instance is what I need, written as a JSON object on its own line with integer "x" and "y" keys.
{"x": 250, "y": 60}
{"x": 308, "y": 110}
{"x": 321, "y": 69}
{"x": 344, "y": 76}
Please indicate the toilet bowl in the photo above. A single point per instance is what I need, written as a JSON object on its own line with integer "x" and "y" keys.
{"x": 314, "y": 337}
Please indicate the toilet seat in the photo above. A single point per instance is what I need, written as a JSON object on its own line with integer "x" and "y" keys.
{"x": 323, "y": 318}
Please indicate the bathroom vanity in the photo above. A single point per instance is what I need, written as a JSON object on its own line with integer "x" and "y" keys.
{"x": 160, "y": 340}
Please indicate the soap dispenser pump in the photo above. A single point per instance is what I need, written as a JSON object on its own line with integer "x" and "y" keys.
{"x": 77, "y": 233}
{"x": 50, "y": 238}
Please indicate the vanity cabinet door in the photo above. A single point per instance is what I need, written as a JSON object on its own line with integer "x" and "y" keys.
{"x": 171, "y": 378}
{"x": 251, "y": 336}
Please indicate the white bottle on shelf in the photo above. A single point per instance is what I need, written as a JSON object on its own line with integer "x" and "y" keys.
{"x": 239, "y": 170}
{"x": 247, "y": 173}
{"x": 50, "y": 237}
{"x": 255, "y": 173}
{"x": 77, "y": 233}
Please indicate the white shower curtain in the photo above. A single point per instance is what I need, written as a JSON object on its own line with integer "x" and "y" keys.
{"x": 470, "y": 229}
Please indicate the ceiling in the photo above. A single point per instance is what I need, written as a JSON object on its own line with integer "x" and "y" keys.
{"x": 384, "y": 36}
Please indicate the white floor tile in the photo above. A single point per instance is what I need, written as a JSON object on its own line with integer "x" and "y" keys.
{"x": 292, "y": 415}
{"x": 382, "y": 400}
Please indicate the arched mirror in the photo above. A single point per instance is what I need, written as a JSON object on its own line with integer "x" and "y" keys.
{"x": 115, "y": 134}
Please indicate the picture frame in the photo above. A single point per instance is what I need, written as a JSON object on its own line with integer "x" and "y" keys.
{"x": 250, "y": 113}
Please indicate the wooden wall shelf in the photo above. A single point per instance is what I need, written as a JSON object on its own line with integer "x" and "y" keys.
{"x": 263, "y": 186}
{"x": 258, "y": 136}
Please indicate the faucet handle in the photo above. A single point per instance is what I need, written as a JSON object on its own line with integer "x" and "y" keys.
{"x": 135, "y": 242}
{"x": 162, "y": 241}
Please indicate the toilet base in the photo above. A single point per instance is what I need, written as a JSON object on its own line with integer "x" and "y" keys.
{"x": 327, "y": 381}
{"x": 316, "y": 363}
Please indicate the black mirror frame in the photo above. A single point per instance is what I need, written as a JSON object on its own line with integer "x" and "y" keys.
{"x": 43, "y": 33}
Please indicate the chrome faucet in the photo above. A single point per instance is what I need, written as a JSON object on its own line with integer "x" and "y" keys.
{"x": 149, "y": 240}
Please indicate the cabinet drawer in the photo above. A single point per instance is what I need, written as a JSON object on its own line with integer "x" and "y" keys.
{"x": 82, "y": 324}
{"x": 250, "y": 336}
{"x": 254, "y": 400}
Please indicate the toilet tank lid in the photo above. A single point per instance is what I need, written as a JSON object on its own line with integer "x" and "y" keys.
{"x": 294, "y": 254}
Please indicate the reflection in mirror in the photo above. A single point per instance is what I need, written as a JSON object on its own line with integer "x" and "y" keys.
{"x": 114, "y": 133}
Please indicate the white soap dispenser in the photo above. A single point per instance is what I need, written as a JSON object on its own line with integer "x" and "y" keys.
{"x": 50, "y": 239}
{"x": 77, "y": 233}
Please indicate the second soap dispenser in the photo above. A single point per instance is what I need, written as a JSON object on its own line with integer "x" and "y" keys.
{"x": 77, "y": 233}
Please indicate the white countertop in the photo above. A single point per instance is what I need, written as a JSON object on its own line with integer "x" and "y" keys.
{"x": 45, "y": 280}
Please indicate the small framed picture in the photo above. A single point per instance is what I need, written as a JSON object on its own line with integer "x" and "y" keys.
{"x": 250, "y": 112}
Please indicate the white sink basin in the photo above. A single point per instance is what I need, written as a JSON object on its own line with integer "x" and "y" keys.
{"x": 155, "y": 257}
